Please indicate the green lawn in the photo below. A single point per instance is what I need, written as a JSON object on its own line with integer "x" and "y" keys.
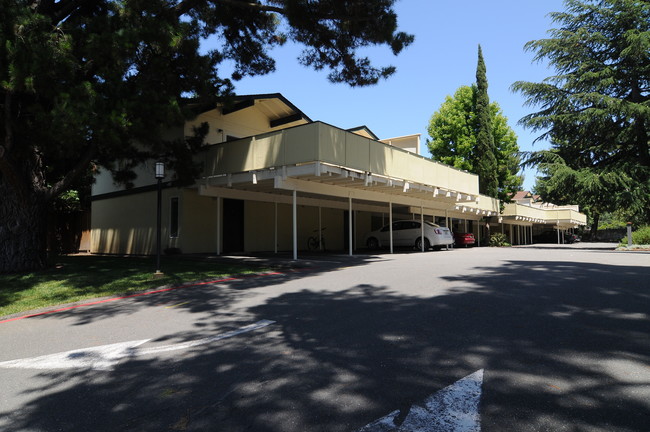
{"x": 75, "y": 278}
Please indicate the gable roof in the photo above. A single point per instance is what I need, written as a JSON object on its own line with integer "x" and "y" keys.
{"x": 276, "y": 107}
{"x": 521, "y": 195}
{"x": 365, "y": 131}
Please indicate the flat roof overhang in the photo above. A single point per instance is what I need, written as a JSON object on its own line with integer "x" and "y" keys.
{"x": 324, "y": 163}
{"x": 324, "y": 184}
{"x": 562, "y": 218}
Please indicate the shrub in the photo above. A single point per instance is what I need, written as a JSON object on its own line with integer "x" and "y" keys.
{"x": 498, "y": 240}
{"x": 642, "y": 235}
{"x": 639, "y": 237}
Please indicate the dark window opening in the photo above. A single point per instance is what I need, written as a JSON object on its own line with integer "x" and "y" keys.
{"x": 173, "y": 218}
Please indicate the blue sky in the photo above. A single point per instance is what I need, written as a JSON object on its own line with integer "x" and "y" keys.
{"x": 442, "y": 58}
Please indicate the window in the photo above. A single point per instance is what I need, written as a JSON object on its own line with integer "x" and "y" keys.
{"x": 401, "y": 225}
{"x": 173, "y": 217}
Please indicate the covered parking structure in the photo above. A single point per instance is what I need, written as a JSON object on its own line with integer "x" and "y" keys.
{"x": 317, "y": 175}
{"x": 528, "y": 221}
{"x": 292, "y": 179}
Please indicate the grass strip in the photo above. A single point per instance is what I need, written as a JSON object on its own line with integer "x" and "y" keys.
{"x": 80, "y": 277}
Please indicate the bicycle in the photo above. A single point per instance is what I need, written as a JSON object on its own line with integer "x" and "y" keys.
{"x": 316, "y": 242}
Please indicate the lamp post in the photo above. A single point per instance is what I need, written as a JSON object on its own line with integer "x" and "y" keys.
{"x": 160, "y": 174}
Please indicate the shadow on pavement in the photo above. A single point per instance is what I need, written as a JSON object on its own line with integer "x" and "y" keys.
{"x": 554, "y": 339}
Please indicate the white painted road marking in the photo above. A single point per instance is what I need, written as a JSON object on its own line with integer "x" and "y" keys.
{"x": 105, "y": 357}
{"x": 190, "y": 344}
{"x": 452, "y": 409}
{"x": 102, "y": 358}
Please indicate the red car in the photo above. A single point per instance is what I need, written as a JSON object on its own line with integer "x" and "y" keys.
{"x": 464, "y": 239}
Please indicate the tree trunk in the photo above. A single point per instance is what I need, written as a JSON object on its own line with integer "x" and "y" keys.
{"x": 23, "y": 231}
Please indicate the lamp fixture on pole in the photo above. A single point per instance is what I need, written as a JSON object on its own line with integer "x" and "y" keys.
{"x": 160, "y": 174}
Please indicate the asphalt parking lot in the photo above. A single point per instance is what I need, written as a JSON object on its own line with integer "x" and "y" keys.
{"x": 560, "y": 335}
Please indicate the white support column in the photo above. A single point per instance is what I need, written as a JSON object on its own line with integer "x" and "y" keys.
{"x": 320, "y": 229}
{"x": 390, "y": 225}
{"x": 295, "y": 226}
{"x": 558, "y": 235}
{"x": 422, "y": 227}
{"x": 512, "y": 237}
{"x": 356, "y": 232}
{"x": 219, "y": 222}
{"x": 275, "y": 234}
{"x": 350, "y": 224}
{"x": 478, "y": 232}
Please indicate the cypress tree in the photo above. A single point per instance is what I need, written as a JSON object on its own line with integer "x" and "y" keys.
{"x": 485, "y": 163}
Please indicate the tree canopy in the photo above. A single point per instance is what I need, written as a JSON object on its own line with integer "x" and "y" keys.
{"x": 90, "y": 83}
{"x": 596, "y": 108}
{"x": 453, "y": 137}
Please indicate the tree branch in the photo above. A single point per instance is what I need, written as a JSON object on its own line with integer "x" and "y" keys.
{"x": 12, "y": 176}
{"x": 61, "y": 10}
{"x": 82, "y": 164}
{"x": 187, "y": 5}
{"x": 253, "y": 5}
{"x": 6, "y": 167}
{"x": 9, "y": 134}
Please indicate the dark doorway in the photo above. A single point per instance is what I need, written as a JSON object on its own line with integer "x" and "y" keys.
{"x": 233, "y": 225}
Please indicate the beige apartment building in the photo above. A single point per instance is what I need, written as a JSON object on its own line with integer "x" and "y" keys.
{"x": 272, "y": 178}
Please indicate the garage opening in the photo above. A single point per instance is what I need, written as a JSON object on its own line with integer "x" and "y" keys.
{"x": 233, "y": 225}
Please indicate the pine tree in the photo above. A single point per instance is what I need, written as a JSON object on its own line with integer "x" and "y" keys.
{"x": 96, "y": 84}
{"x": 594, "y": 109}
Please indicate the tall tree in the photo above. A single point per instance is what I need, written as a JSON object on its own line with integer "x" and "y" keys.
{"x": 452, "y": 131}
{"x": 596, "y": 108}
{"x": 484, "y": 159}
{"x": 90, "y": 83}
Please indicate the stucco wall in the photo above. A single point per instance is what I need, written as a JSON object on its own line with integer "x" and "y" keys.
{"x": 127, "y": 224}
{"x": 124, "y": 225}
{"x": 198, "y": 223}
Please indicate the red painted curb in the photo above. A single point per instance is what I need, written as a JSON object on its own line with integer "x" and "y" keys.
{"x": 138, "y": 295}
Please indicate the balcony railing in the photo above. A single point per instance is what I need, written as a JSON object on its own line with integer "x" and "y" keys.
{"x": 564, "y": 215}
{"x": 320, "y": 142}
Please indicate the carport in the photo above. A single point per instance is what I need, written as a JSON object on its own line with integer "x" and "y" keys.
{"x": 525, "y": 219}
{"x": 321, "y": 166}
